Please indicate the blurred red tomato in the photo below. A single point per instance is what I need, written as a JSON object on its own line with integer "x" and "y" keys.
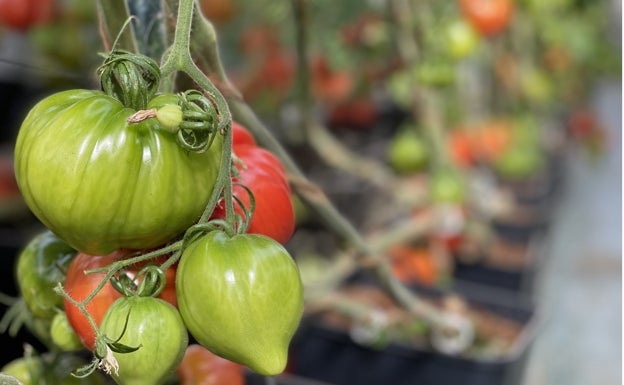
{"x": 489, "y": 17}
{"x": 23, "y": 14}
{"x": 202, "y": 367}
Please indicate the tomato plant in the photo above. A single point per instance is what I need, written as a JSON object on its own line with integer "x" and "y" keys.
{"x": 80, "y": 285}
{"x": 200, "y": 366}
{"x": 241, "y": 297}
{"x": 40, "y": 267}
{"x": 489, "y": 17}
{"x": 102, "y": 184}
{"x": 23, "y": 14}
{"x": 155, "y": 327}
{"x": 264, "y": 175}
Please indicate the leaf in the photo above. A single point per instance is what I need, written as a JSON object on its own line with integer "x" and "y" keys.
{"x": 118, "y": 347}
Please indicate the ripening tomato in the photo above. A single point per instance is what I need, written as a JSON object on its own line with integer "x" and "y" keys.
{"x": 329, "y": 85}
{"x": 23, "y": 14}
{"x": 413, "y": 264}
{"x": 489, "y": 17}
{"x": 264, "y": 175}
{"x": 241, "y": 297}
{"x": 218, "y": 11}
{"x": 103, "y": 184}
{"x": 200, "y": 366}
{"x": 154, "y": 326}
{"x": 80, "y": 285}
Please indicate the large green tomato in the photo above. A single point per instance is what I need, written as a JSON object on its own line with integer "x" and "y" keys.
{"x": 103, "y": 184}
{"x": 40, "y": 267}
{"x": 156, "y": 328}
{"x": 241, "y": 297}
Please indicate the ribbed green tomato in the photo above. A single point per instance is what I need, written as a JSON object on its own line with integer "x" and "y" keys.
{"x": 40, "y": 267}
{"x": 241, "y": 297}
{"x": 102, "y": 184}
{"x": 155, "y": 326}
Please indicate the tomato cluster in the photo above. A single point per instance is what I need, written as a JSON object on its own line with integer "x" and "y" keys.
{"x": 123, "y": 180}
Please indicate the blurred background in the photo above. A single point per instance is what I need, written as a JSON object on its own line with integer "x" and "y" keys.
{"x": 477, "y": 142}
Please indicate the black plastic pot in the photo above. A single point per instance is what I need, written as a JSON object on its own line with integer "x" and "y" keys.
{"x": 283, "y": 379}
{"x": 330, "y": 355}
{"x": 518, "y": 279}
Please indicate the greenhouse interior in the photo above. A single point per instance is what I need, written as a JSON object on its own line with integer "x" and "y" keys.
{"x": 378, "y": 192}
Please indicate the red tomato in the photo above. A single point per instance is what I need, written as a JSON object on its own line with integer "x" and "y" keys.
{"x": 413, "y": 264}
{"x": 202, "y": 367}
{"x": 219, "y": 11}
{"x": 460, "y": 147}
{"x": 264, "y": 175}
{"x": 22, "y": 14}
{"x": 489, "y": 17}
{"x": 328, "y": 85}
{"x": 240, "y": 135}
{"x": 80, "y": 285}
{"x": 359, "y": 113}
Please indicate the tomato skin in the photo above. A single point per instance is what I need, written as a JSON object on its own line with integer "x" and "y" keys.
{"x": 264, "y": 175}
{"x": 63, "y": 335}
{"x": 200, "y": 366}
{"x": 489, "y": 17}
{"x": 218, "y": 11}
{"x": 446, "y": 186}
{"x": 157, "y": 328}
{"x": 462, "y": 39}
{"x": 241, "y": 135}
{"x": 408, "y": 151}
{"x": 241, "y": 297}
{"x": 23, "y": 14}
{"x": 80, "y": 285}
{"x": 40, "y": 266}
{"x": 103, "y": 185}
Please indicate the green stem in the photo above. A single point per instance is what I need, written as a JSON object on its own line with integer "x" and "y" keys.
{"x": 112, "y": 15}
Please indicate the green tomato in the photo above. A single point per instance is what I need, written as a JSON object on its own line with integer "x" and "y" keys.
{"x": 102, "y": 184}
{"x": 461, "y": 39}
{"x": 63, "y": 335}
{"x": 41, "y": 265}
{"x": 28, "y": 370}
{"x": 156, "y": 328}
{"x": 435, "y": 73}
{"x": 408, "y": 151}
{"x": 520, "y": 161}
{"x": 446, "y": 186}
{"x": 51, "y": 369}
{"x": 241, "y": 297}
